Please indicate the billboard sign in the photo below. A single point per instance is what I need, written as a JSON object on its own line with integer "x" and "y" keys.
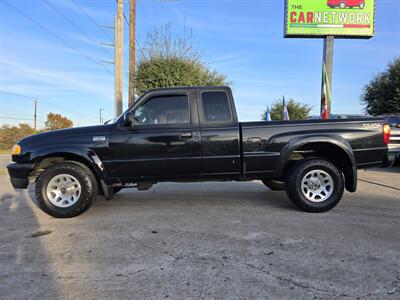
{"x": 339, "y": 18}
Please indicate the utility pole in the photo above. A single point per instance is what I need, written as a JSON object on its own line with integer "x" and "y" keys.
{"x": 100, "y": 118}
{"x": 118, "y": 54}
{"x": 132, "y": 51}
{"x": 35, "y": 115}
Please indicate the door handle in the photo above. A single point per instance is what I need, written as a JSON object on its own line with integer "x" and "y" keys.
{"x": 255, "y": 140}
{"x": 186, "y": 134}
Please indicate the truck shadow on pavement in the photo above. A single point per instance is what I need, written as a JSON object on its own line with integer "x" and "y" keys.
{"x": 201, "y": 241}
{"x": 395, "y": 170}
{"x": 214, "y": 195}
{"x": 25, "y": 271}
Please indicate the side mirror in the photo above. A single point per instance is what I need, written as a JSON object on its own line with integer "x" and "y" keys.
{"x": 128, "y": 119}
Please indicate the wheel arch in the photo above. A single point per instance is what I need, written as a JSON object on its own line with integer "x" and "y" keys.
{"x": 335, "y": 149}
{"x": 88, "y": 158}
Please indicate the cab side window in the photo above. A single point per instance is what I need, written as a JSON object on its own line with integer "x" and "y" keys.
{"x": 216, "y": 106}
{"x": 170, "y": 109}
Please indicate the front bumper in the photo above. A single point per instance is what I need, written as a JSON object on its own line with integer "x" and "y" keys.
{"x": 19, "y": 174}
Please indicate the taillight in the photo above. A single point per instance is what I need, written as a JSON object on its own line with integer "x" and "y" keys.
{"x": 386, "y": 134}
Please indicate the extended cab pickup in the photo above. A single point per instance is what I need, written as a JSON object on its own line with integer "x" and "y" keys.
{"x": 193, "y": 134}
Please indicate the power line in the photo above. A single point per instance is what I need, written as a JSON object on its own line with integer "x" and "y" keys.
{"x": 21, "y": 119}
{"x": 14, "y": 115}
{"x": 76, "y": 27}
{"x": 95, "y": 23}
{"x": 144, "y": 12}
{"x": 93, "y": 20}
{"x": 56, "y": 36}
{"x": 48, "y": 102}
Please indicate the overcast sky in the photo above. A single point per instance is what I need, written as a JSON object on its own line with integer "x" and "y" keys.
{"x": 43, "y": 56}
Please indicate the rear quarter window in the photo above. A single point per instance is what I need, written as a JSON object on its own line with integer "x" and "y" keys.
{"x": 216, "y": 107}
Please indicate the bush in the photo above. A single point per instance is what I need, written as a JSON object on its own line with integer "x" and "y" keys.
{"x": 57, "y": 121}
{"x": 172, "y": 61}
{"x": 10, "y": 135}
{"x": 296, "y": 110}
{"x": 382, "y": 94}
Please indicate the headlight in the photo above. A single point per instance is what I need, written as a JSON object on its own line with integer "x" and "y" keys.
{"x": 16, "y": 150}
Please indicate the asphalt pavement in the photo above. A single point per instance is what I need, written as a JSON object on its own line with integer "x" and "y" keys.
{"x": 205, "y": 241}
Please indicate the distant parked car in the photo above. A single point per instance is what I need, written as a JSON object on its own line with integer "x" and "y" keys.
{"x": 346, "y": 3}
{"x": 341, "y": 116}
{"x": 394, "y": 142}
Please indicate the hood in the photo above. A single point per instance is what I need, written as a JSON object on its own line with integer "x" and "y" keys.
{"x": 71, "y": 137}
{"x": 66, "y": 133}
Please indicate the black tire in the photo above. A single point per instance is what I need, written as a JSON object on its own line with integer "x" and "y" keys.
{"x": 294, "y": 179}
{"x": 84, "y": 176}
{"x": 274, "y": 185}
{"x": 396, "y": 161}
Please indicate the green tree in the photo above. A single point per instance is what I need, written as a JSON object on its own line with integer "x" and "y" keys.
{"x": 172, "y": 60}
{"x": 57, "y": 121}
{"x": 382, "y": 94}
{"x": 10, "y": 135}
{"x": 296, "y": 110}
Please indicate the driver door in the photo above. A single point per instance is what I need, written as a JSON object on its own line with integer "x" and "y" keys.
{"x": 164, "y": 141}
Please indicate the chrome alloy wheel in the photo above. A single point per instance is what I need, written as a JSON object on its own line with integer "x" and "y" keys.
{"x": 317, "y": 186}
{"x": 63, "y": 190}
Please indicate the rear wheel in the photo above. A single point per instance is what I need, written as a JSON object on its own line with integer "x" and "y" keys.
{"x": 315, "y": 185}
{"x": 342, "y": 5}
{"x": 65, "y": 189}
{"x": 274, "y": 185}
{"x": 362, "y": 5}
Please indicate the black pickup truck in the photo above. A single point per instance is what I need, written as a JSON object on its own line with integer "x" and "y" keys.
{"x": 193, "y": 134}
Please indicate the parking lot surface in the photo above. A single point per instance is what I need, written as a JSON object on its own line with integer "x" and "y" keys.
{"x": 4, "y": 160}
{"x": 204, "y": 241}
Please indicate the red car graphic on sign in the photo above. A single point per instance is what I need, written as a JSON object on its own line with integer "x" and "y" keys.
{"x": 346, "y": 3}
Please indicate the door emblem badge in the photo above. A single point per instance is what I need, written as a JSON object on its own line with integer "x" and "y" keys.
{"x": 99, "y": 138}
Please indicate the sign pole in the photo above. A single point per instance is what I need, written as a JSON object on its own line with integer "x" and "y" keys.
{"x": 328, "y": 61}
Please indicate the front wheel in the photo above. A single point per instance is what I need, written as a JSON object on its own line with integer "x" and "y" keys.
{"x": 65, "y": 189}
{"x": 314, "y": 185}
{"x": 362, "y": 5}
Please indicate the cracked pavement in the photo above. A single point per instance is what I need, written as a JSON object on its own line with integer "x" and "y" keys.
{"x": 205, "y": 241}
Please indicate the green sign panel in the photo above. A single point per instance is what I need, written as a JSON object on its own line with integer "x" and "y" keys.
{"x": 340, "y": 18}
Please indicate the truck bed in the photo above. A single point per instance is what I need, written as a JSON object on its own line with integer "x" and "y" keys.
{"x": 263, "y": 143}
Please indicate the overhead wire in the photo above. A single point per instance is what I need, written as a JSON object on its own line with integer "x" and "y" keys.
{"x": 77, "y": 27}
{"x": 56, "y": 36}
{"x": 92, "y": 19}
{"x": 48, "y": 102}
{"x": 145, "y": 14}
{"x": 21, "y": 119}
